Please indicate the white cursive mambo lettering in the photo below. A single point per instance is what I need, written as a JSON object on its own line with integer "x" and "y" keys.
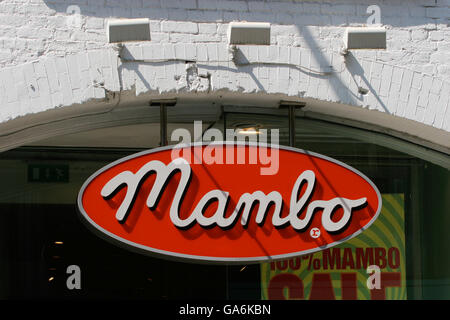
{"x": 298, "y": 203}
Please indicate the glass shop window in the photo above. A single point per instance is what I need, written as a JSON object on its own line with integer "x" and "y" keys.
{"x": 47, "y": 252}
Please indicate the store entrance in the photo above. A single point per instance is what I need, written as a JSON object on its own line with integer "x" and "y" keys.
{"x": 41, "y": 234}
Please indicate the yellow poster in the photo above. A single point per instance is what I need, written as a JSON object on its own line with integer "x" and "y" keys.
{"x": 369, "y": 266}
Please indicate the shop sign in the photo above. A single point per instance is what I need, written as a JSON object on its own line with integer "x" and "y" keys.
{"x": 155, "y": 203}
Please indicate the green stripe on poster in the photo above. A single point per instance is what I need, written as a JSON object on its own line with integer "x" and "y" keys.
{"x": 382, "y": 245}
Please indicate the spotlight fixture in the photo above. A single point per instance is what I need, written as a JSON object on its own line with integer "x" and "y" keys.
{"x": 122, "y": 30}
{"x": 249, "y": 33}
{"x": 365, "y": 38}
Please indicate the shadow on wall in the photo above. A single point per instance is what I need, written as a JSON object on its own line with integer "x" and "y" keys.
{"x": 358, "y": 76}
{"x": 296, "y": 12}
{"x": 294, "y": 18}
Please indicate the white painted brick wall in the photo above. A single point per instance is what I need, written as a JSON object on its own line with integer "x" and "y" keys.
{"x": 56, "y": 64}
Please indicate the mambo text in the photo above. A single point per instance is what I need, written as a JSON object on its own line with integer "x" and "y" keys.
{"x": 164, "y": 172}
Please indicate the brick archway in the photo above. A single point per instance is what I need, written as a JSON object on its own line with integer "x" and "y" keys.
{"x": 94, "y": 81}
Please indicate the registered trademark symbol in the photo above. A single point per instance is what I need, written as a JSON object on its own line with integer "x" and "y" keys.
{"x": 314, "y": 233}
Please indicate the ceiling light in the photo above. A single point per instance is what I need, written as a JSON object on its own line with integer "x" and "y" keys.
{"x": 248, "y": 131}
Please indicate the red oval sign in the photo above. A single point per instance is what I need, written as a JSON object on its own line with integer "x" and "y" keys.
{"x": 227, "y": 209}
